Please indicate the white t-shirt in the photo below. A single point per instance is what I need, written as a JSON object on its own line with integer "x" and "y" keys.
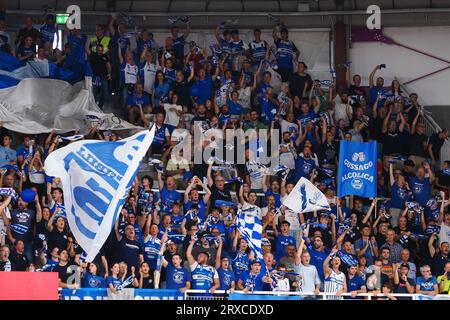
{"x": 245, "y": 97}
{"x": 444, "y": 234}
{"x": 340, "y": 112}
{"x": 309, "y": 278}
{"x": 149, "y": 77}
{"x": 256, "y": 210}
{"x": 171, "y": 116}
{"x": 288, "y": 126}
{"x": 256, "y": 174}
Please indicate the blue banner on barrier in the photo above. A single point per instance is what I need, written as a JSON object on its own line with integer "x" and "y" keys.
{"x": 248, "y": 296}
{"x": 157, "y": 294}
{"x": 139, "y": 294}
{"x": 84, "y": 294}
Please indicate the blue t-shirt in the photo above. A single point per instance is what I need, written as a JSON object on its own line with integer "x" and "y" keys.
{"x": 421, "y": 189}
{"x": 202, "y": 277}
{"x": 91, "y": 281}
{"x": 305, "y": 118}
{"x": 285, "y": 53}
{"x": 240, "y": 263}
{"x": 427, "y": 285}
{"x": 7, "y": 155}
{"x": 201, "y": 208}
{"x": 360, "y": 244}
{"x": 178, "y": 47}
{"x": 169, "y": 197}
{"x": 201, "y": 90}
{"x": 303, "y": 167}
{"x": 398, "y": 197}
{"x": 317, "y": 259}
{"x": 277, "y": 197}
{"x": 355, "y": 283}
{"x": 160, "y": 93}
{"x": 176, "y": 278}
{"x": 282, "y": 242}
{"x": 236, "y": 108}
{"x": 23, "y": 51}
{"x": 116, "y": 282}
{"x": 251, "y": 281}
{"x": 135, "y": 100}
{"x": 373, "y": 96}
{"x": 226, "y": 277}
{"x": 47, "y": 33}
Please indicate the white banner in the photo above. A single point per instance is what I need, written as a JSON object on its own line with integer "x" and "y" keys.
{"x": 305, "y": 197}
{"x": 41, "y": 105}
{"x": 96, "y": 178}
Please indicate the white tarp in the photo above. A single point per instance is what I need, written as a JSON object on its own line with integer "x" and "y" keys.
{"x": 41, "y": 105}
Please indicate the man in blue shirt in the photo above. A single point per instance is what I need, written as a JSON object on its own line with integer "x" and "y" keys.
{"x": 168, "y": 193}
{"x": 318, "y": 253}
{"x": 7, "y": 154}
{"x": 137, "y": 102}
{"x": 204, "y": 276}
{"x": 421, "y": 185}
{"x": 285, "y": 50}
{"x": 283, "y": 240}
{"x": 355, "y": 284}
{"x": 376, "y": 90}
{"x": 178, "y": 44}
{"x": 253, "y": 279}
{"x": 304, "y": 165}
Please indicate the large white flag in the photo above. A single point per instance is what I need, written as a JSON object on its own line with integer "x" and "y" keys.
{"x": 96, "y": 177}
{"x": 305, "y": 197}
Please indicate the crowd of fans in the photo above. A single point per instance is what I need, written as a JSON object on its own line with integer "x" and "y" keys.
{"x": 397, "y": 242}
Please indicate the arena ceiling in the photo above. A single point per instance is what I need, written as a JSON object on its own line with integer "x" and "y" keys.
{"x": 207, "y": 13}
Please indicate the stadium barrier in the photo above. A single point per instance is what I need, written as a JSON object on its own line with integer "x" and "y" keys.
{"x": 271, "y": 295}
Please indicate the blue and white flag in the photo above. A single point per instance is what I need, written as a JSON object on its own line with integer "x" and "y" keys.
{"x": 96, "y": 177}
{"x": 9, "y": 192}
{"x": 357, "y": 171}
{"x": 250, "y": 227}
{"x": 305, "y": 197}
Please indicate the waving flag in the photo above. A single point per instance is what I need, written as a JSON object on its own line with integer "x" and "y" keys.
{"x": 96, "y": 178}
{"x": 357, "y": 171}
{"x": 250, "y": 227}
{"x": 305, "y": 197}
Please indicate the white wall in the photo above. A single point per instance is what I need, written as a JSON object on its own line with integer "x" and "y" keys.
{"x": 313, "y": 45}
{"x": 406, "y": 64}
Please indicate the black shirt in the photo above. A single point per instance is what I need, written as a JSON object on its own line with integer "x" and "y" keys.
{"x": 217, "y": 194}
{"x": 57, "y": 239}
{"x": 19, "y": 261}
{"x": 437, "y": 264}
{"x": 436, "y": 145}
{"x": 129, "y": 251}
{"x": 443, "y": 179}
{"x": 416, "y": 145}
{"x": 148, "y": 282}
{"x": 297, "y": 83}
{"x": 98, "y": 64}
{"x": 392, "y": 143}
{"x": 182, "y": 90}
{"x": 63, "y": 271}
{"x": 23, "y": 33}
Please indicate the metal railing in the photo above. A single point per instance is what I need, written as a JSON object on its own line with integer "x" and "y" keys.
{"x": 223, "y": 295}
{"x": 431, "y": 126}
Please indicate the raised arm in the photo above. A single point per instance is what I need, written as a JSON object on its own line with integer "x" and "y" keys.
{"x": 116, "y": 230}
{"x": 209, "y": 176}
{"x": 369, "y": 212}
{"x": 189, "y": 256}
{"x": 218, "y": 253}
{"x": 372, "y": 75}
